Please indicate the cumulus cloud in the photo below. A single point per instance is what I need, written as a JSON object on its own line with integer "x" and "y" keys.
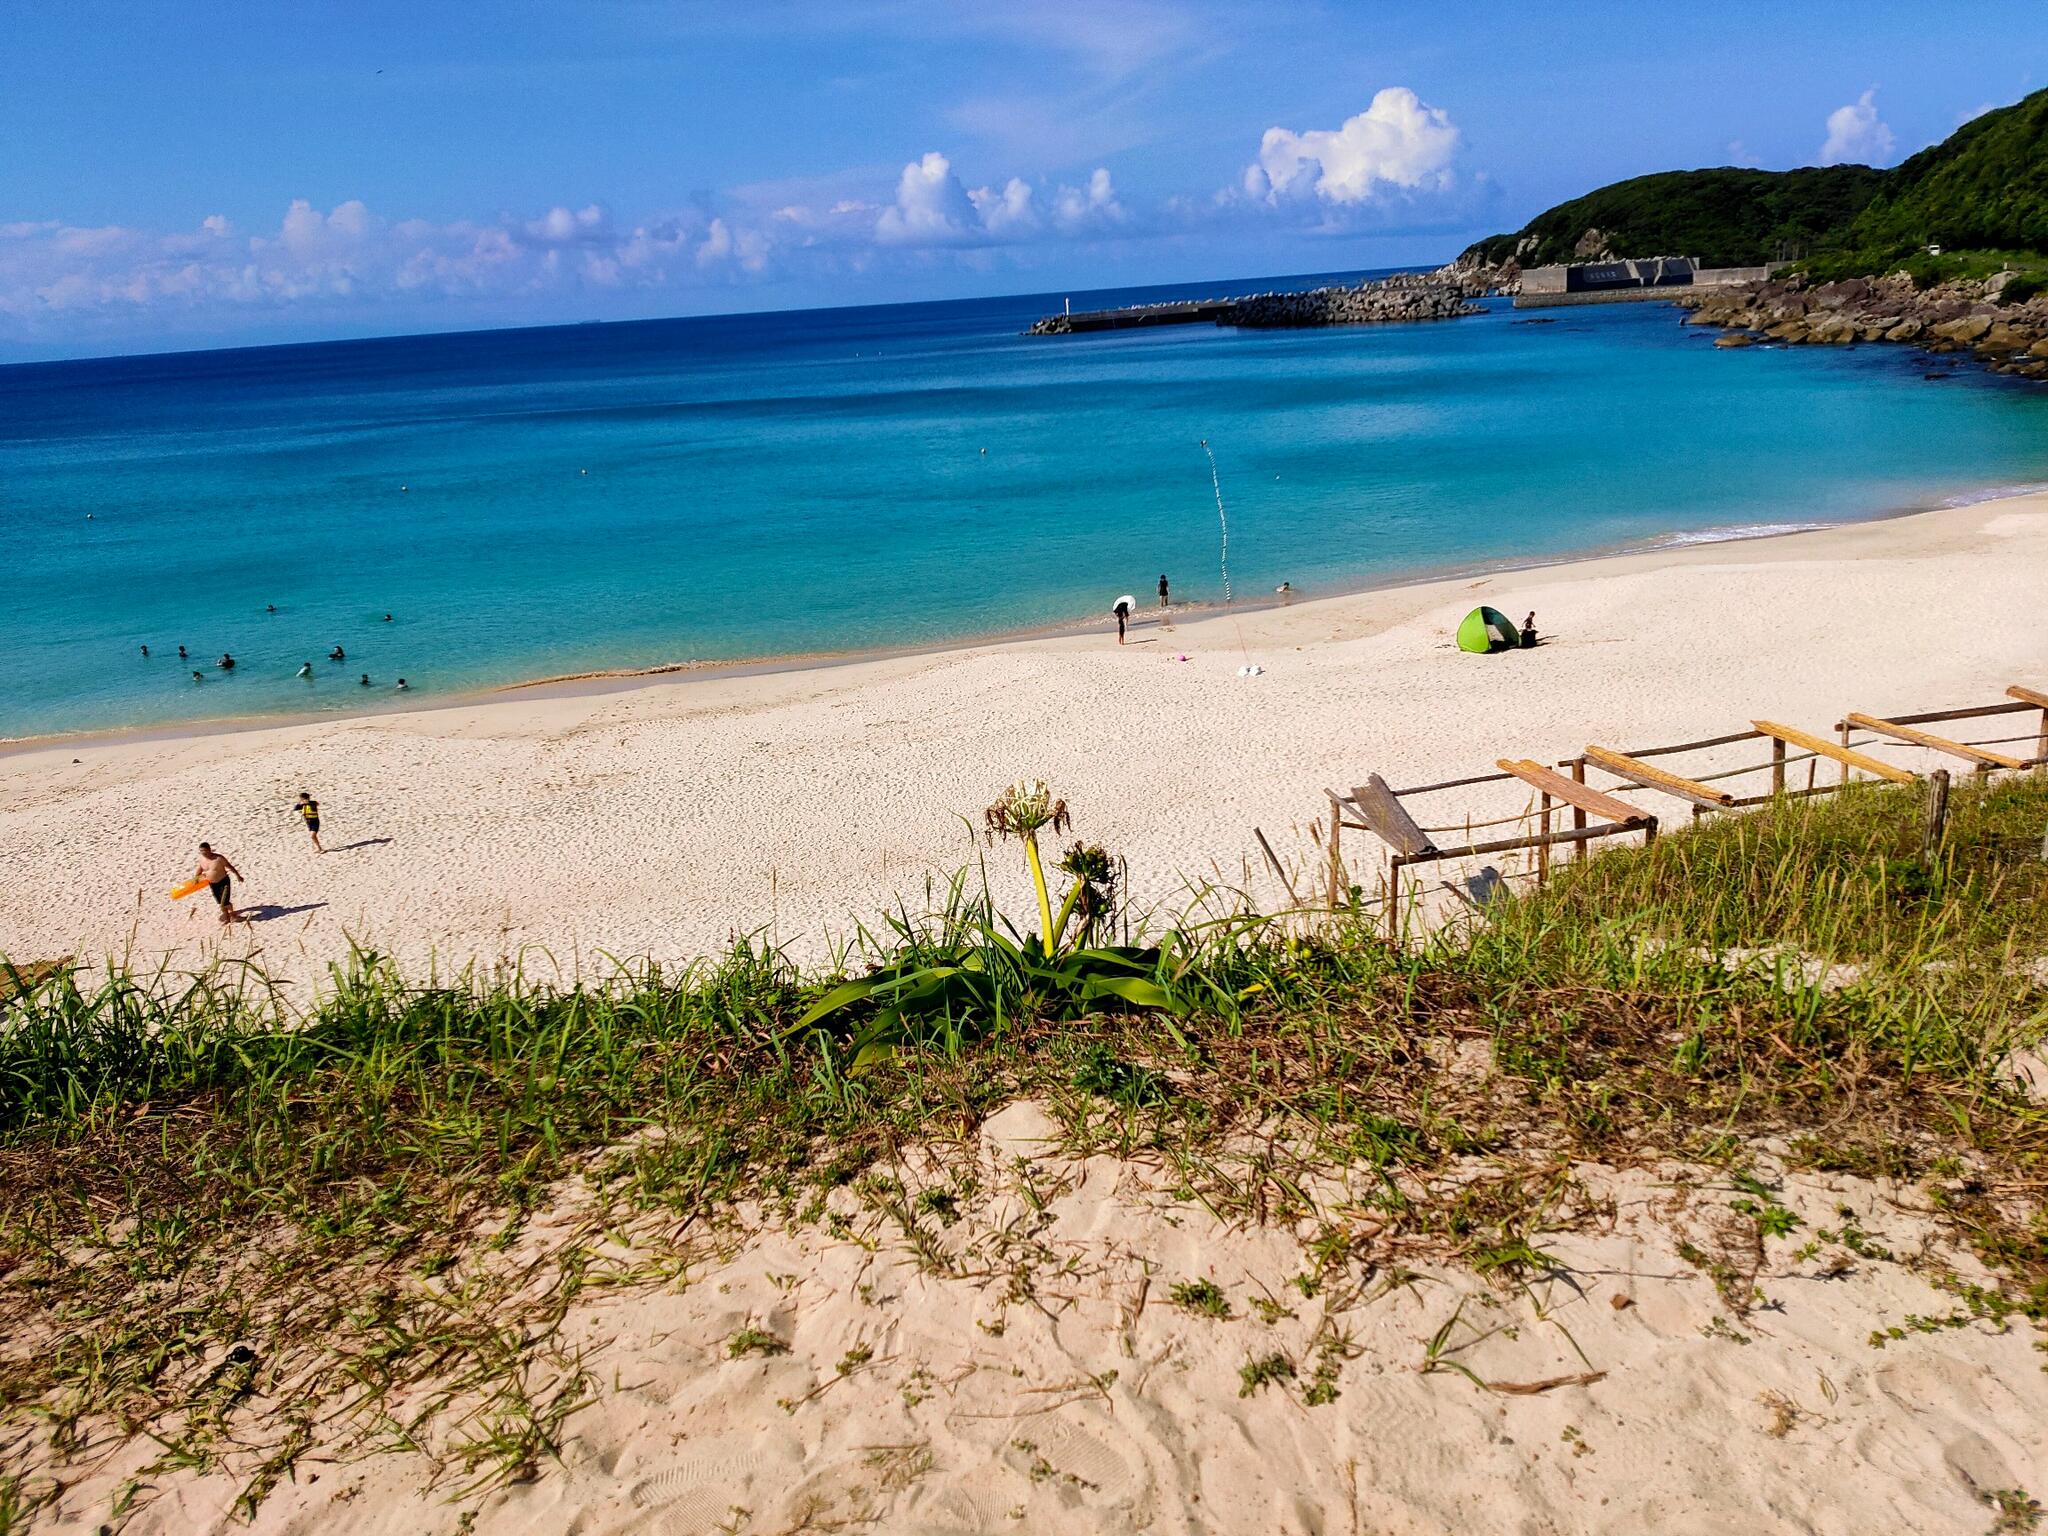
{"x": 1094, "y": 206}
{"x": 56, "y": 277}
{"x": 934, "y": 207}
{"x": 931, "y": 207}
{"x": 1396, "y": 142}
{"x": 1857, "y": 135}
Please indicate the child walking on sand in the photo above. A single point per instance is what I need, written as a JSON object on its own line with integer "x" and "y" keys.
{"x": 309, "y": 809}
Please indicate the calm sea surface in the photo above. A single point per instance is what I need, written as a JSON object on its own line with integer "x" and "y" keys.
{"x": 525, "y": 503}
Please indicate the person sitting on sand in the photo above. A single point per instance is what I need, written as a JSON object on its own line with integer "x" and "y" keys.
{"x": 220, "y": 874}
{"x": 305, "y": 669}
{"x": 309, "y": 809}
{"x": 1122, "y": 610}
{"x": 1529, "y": 631}
{"x": 337, "y": 654}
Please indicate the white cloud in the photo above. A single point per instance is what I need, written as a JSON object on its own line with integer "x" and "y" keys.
{"x": 1975, "y": 112}
{"x": 558, "y": 226}
{"x": 1092, "y": 207}
{"x": 931, "y": 208}
{"x": 1396, "y": 142}
{"x": 1006, "y": 214}
{"x": 1856, "y": 135}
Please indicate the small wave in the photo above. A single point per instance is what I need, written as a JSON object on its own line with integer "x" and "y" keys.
{"x": 1733, "y": 535}
{"x": 1992, "y": 493}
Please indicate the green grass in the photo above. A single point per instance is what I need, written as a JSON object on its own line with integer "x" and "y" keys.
{"x": 223, "y": 1223}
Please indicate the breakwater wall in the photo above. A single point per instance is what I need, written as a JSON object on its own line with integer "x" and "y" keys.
{"x": 1405, "y": 297}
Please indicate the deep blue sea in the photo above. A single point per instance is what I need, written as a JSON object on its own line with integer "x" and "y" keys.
{"x": 534, "y": 502}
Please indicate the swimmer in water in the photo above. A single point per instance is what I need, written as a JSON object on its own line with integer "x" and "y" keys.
{"x": 337, "y": 654}
{"x": 145, "y": 650}
{"x": 198, "y": 677}
{"x": 226, "y": 662}
{"x": 364, "y": 680}
{"x": 305, "y": 669}
{"x": 270, "y": 607}
{"x": 403, "y": 686}
{"x": 387, "y": 618}
{"x": 181, "y": 654}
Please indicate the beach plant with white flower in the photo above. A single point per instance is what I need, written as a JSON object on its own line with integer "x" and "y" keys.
{"x": 969, "y": 971}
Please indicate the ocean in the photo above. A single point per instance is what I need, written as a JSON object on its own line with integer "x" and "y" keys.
{"x": 529, "y": 503}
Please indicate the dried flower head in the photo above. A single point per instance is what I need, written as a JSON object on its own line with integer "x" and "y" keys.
{"x": 1022, "y": 809}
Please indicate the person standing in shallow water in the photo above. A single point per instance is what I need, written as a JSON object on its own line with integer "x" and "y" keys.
{"x": 1164, "y": 602}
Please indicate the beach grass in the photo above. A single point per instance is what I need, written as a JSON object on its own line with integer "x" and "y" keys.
{"x": 238, "y": 1228}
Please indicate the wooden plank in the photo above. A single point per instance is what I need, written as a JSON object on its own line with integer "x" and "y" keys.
{"x": 1820, "y": 746}
{"x": 1513, "y": 844}
{"x": 1551, "y": 782}
{"x": 1967, "y": 712}
{"x": 2027, "y": 696}
{"x": 1625, "y": 767}
{"x": 1967, "y": 753}
{"x": 1388, "y": 818}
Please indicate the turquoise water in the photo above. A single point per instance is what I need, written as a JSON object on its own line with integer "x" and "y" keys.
{"x": 526, "y": 503}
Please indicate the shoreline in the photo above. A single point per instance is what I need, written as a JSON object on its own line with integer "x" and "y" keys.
{"x": 598, "y": 682}
{"x": 643, "y": 821}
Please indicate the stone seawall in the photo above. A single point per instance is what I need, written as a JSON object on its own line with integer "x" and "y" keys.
{"x": 1441, "y": 295}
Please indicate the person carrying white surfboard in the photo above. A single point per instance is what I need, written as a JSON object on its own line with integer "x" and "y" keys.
{"x": 1123, "y": 610}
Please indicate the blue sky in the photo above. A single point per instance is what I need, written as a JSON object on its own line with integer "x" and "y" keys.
{"x": 197, "y": 175}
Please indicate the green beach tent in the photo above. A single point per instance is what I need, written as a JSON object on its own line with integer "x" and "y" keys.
{"x": 1487, "y": 629}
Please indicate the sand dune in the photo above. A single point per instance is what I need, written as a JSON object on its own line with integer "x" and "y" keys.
{"x": 1026, "y": 1368}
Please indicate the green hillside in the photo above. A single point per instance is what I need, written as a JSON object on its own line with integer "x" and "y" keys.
{"x": 1985, "y": 186}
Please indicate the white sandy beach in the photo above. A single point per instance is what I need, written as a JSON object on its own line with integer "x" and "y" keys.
{"x": 933, "y": 1395}
{"x": 661, "y": 820}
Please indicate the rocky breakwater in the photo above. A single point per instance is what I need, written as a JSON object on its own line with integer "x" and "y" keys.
{"x": 1395, "y": 299}
{"x": 1406, "y": 296}
{"x": 2001, "y": 321}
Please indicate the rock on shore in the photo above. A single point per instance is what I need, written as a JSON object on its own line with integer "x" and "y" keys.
{"x": 1967, "y": 315}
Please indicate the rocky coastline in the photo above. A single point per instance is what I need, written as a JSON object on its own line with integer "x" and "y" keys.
{"x": 2000, "y": 322}
{"x": 1444, "y": 294}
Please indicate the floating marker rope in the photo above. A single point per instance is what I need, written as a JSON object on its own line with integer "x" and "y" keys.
{"x": 1222, "y": 518}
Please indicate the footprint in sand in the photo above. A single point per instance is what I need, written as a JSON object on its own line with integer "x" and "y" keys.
{"x": 1075, "y": 1459}
{"x": 695, "y": 1492}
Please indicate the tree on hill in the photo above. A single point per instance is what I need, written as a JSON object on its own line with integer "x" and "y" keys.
{"x": 1984, "y": 187}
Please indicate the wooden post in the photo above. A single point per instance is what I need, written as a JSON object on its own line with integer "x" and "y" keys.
{"x": 2041, "y": 746}
{"x": 1778, "y": 766}
{"x": 1394, "y": 901}
{"x": 1937, "y": 815}
{"x": 1543, "y": 848}
{"x": 1578, "y": 813}
{"x": 1845, "y": 744}
{"x": 1336, "y": 852}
